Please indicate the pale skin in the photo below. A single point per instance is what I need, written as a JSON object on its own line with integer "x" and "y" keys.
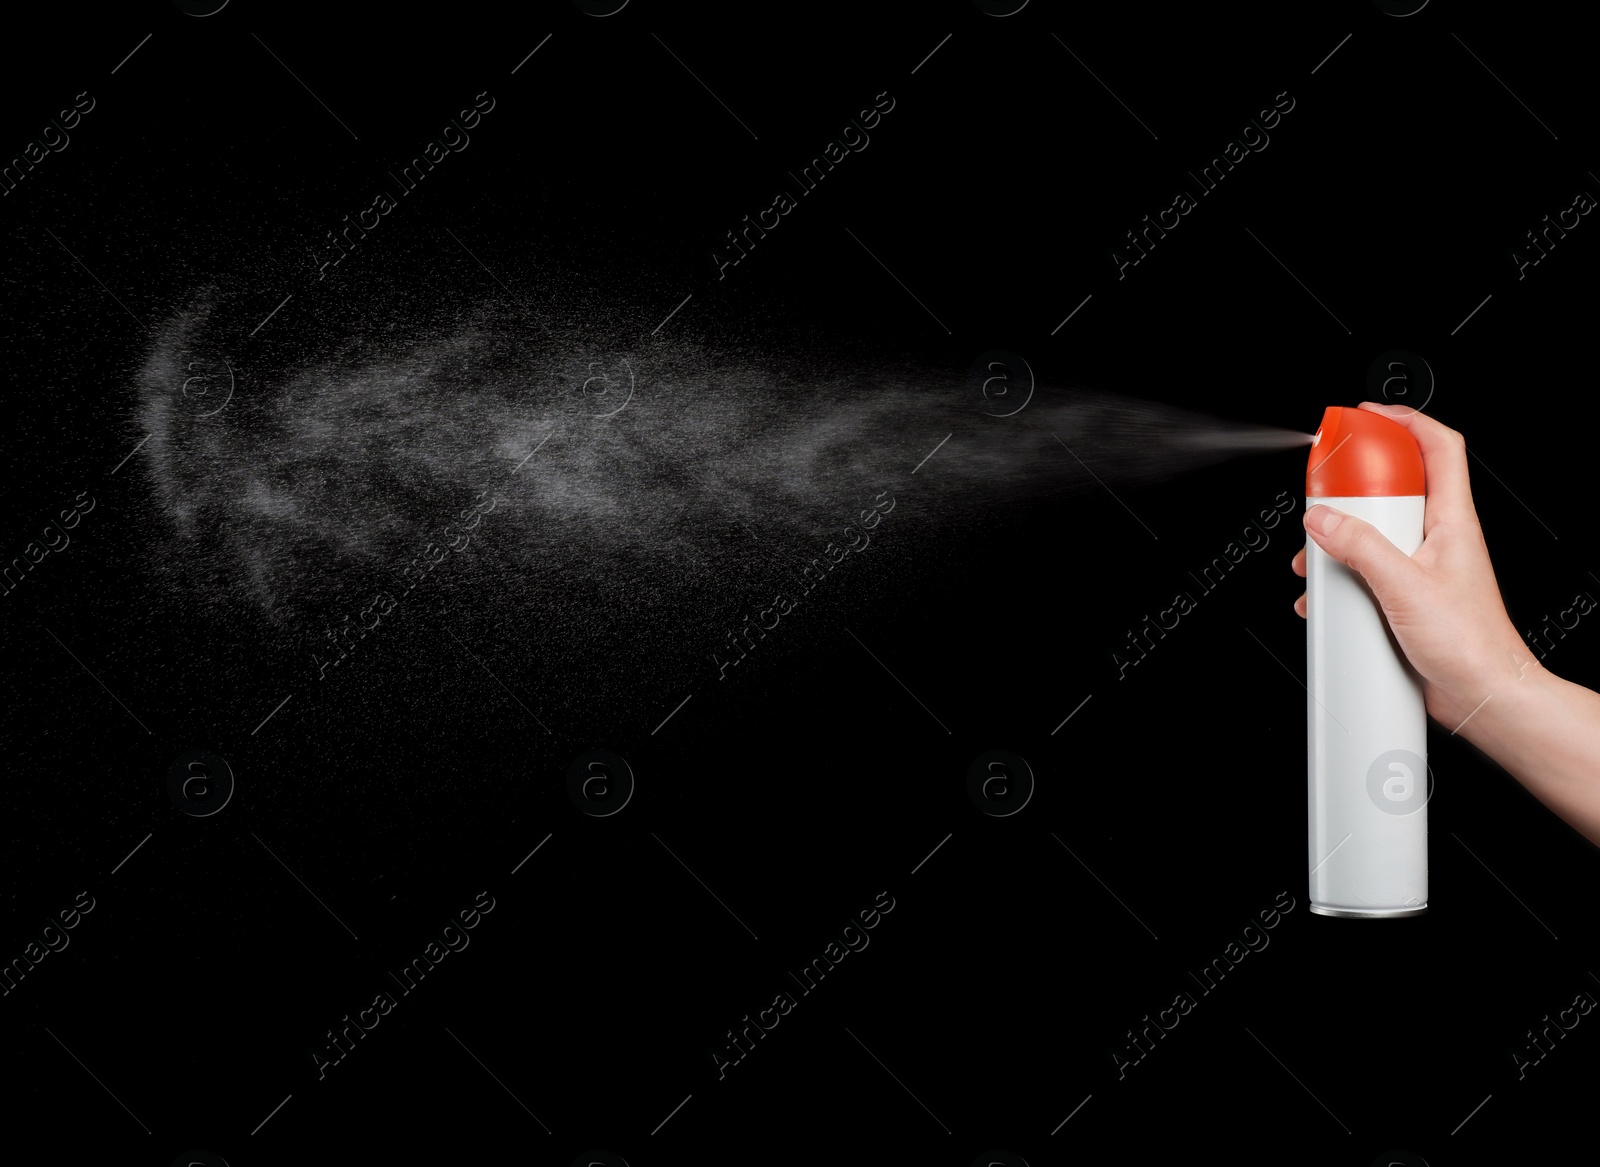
{"x": 1481, "y": 680}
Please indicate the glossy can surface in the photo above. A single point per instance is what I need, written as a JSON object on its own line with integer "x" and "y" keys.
{"x": 1367, "y": 724}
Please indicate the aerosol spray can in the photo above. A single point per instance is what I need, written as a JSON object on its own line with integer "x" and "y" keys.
{"x": 1366, "y": 721}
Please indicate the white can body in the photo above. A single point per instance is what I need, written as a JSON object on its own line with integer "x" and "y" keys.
{"x": 1367, "y": 735}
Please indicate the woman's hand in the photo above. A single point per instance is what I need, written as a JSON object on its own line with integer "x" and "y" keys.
{"x": 1442, "y": 603}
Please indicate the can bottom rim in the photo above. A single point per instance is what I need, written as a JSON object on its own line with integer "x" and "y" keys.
{"x": 1378, "y": 914}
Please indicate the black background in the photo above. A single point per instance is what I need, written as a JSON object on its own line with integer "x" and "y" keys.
{"x": 986, "y": 1007}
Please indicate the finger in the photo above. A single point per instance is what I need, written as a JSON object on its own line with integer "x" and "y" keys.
{"x": 1444, "y": 461}
{"x": 1357, "y": 544}
{"x": 1300, "y": 605}
{"x": 1298, "y": 563}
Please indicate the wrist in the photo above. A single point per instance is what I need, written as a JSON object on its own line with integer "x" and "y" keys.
{"x": 1496, "y": 673}
{"x": 1512, "y": 697}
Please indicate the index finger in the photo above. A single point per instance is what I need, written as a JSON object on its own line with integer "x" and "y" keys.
{"x": 1444, "y": 461}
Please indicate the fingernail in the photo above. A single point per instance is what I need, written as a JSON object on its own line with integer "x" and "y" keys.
{"x": 1323, "y": 519}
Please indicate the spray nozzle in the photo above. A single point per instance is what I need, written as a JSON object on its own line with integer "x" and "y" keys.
{"x": 1356, "y": 453}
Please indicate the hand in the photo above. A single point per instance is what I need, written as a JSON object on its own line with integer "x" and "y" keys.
{"x": 1442, "y": 603}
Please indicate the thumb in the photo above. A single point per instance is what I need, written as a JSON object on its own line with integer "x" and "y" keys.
{"x": 1360, "y": 546}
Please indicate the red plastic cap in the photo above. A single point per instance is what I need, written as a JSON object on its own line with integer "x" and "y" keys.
{"x": 1360, "y": 454}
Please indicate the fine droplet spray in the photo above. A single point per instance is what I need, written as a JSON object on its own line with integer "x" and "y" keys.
{"x": 1366, "y": 721}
